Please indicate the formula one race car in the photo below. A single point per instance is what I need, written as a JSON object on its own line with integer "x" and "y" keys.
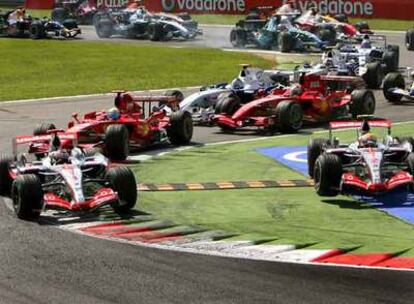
{"x": 275, "y": 33}
{"x": 367, "y": 166}
{"x": 76, "y": 180}
{"x": 38, "y": 28}
{"x": 134, "y": 123}
{"x": 249, "y": 85}
{"x": 83, "y": 11}
{"x": 365, "y": 60}
{"x": 328, "y": 28}
{"x": 139, "y": 23}
{"x": 394, "y": 88}
{"x": 316, "y": 98}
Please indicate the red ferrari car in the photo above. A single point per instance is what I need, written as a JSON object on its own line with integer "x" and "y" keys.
{"x": 316, "y": 98}
{"x": 135, "y": 122}
{"x": 368, "y": 166}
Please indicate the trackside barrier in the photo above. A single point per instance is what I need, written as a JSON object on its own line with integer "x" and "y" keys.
{"x": 392, "y": 9}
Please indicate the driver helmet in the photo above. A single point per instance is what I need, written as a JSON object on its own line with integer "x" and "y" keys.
{"x": 366, "y": 43}
{"x": 283, "y": 23}
{"x": 114, "y": 114}
{"x": 237, "y": 84}
{"x": 367, "y": 139}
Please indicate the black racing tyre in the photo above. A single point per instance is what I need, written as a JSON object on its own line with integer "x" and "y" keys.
{"x": 315, "y": 148}
{"x": 362, "y": 26}
{"x": 37, "y": 30}
{"x": 327, "y": 174}
{"x": 180, "y": 131}
{"x": 104, "y": 28}
{"x": 238, "y": 38}
{"x": 409, "y": 39}
{"x": 374, "y": 75}
{"x": 175, "y": 93}
{"x": 59, "y": 14}
{"x": 393, "y": 80}
{"x": 184, "y": 16}
{"x": 43, "y": 128}
{"x": 290, "y": 116}
{"x": 5, "y": 178}
{"x": 286, "y": 42}
{"x": 391, "y": 60}
{"x": 410, "y": 163}
{"x": 156, "y": 32}
{"x": 117, "y": 142}
{"x": 327, "y": 35}
{"x": 229, "y": 104}
{"x": 122, "y": 181}
{"x": 70, "y": 24}
{"x": 341, "y": 18}
{"x": 27, "y": 196}
{"x": 226, "y": 103}
{"x": 362, "y": 103}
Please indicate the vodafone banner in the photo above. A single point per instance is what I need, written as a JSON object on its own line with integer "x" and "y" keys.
{"x": 393, "y": 9}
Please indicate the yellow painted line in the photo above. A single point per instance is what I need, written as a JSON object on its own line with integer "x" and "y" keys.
{"x": 195, "y": 186}
{"x": 225, "y": 185}
{"x": 286, "y": 183}
{"x": 256, "y": 184}
{"x": 165, "y": 187}
{"x": 143, "y": 187}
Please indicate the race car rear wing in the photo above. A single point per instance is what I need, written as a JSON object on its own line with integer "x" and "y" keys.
{"x": 39, "y": 139}
{"x": 358, "y": 124}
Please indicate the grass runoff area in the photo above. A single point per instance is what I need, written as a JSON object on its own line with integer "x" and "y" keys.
{"x": 289, "y": 215}
{"x": 46, "y": 68}
{"x": 375, "y": 24}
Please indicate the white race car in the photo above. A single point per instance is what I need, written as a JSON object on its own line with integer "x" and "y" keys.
{"x": 250, "y": 83}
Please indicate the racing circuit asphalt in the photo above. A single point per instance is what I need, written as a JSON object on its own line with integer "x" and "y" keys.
{"x": 42, "y": 264}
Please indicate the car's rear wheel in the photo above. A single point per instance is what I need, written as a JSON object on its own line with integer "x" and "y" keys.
{"x": 315, "y": 148}
{"x": 5, "y": 178}
{"x": 286, "y": 42}
{"x": 27, "y": 196}
{"x": 227, "y": 103}
{"x": 391, "y": 58}
{"x": 327, "y": 174}
{"x": 43, "y": 128}
{"x": 104, "y": 28}
{"x": 122, "y": 181}
{"x": 238, "y": 38}
{"x": 393, "y": 80}
{"x": 290, "y": 116}
{"x": 180, "y": 131}
{"x": 156, "y": 31}
{"x": 37, "y": 30}
{"x": 363, "y": 103}
{"x": 409, "y": 39}
{"x": 374, "y": 75}
{"x": 117, "y": 142}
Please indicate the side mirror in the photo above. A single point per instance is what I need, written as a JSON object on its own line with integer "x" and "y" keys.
{"x": 71, "y": 124}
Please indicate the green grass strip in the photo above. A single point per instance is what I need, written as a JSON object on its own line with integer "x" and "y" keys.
{"x": 291, "y": 216}
{"x": 45, "y": 68}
